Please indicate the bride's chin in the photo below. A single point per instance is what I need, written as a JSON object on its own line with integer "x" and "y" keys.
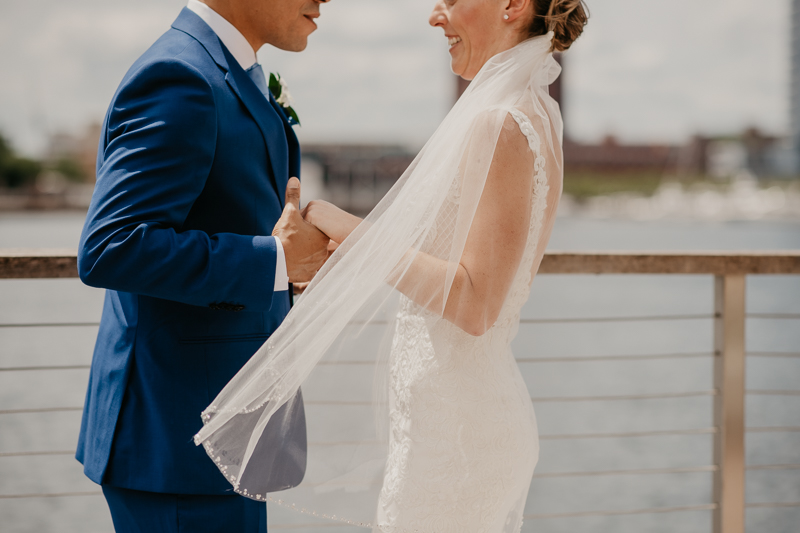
{"x": 458, "y": 70}
{"x": 462, "y": 75}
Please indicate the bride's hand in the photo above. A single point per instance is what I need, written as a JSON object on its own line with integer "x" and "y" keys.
{"x": 300, "y": 288}
{"x": 336, "y": 223}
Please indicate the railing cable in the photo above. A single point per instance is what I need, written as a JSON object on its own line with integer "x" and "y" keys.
{"x": 50, "y": 495}
{"x": 645, "y": 471}
{"x": 773, "y": 467}
{"x": 578, "y": 320}
{"x": 39, "y": 368}
{"x": 556, "y": 399}
{"x": 39, "y": 410}
{"x": 661, "y": 396}
{"x": 652, "y": 510}
{"x": 790, "y": 355}
{"x": 307, "y": 526}
{"x": 573, "y": 436}
{"x": 771, "y": 505}
{"x": 566, "y": 359}
{"x": 566, "y": 320}
{"x": 630, "y": 434}
{"x": 601, "y": 319}
{"x": 773, "y": 429}
{"x": 52, "y": 325}
{"x": 636, "y": 472}
{"x": 601, "y": 358}
{"x": 774, "y": 392}
{"x": 541, "y": 399}
{"x": 29, "y": 454}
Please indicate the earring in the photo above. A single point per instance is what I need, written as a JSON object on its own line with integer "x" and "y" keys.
{"x": 505, "y": 16}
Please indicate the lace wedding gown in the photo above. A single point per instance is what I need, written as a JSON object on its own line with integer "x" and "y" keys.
{"x": 463, "y": 440}
{"x": 458, "y": 449}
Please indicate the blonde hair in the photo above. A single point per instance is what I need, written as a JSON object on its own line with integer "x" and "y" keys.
{"x": 565, "y": 18}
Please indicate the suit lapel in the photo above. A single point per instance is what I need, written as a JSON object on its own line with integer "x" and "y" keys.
{"x": 294, "y": 152}
{"x": 291, "y": 138}
{"x": 270, "y": 121}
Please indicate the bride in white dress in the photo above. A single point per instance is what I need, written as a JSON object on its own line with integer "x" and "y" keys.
{"x": 460, "y": 238}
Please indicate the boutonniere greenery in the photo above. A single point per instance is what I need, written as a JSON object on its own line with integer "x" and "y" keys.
{"x": 280, "y": 91}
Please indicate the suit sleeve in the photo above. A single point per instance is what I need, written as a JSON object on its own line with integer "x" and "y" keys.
{"x": 157, "y": 153}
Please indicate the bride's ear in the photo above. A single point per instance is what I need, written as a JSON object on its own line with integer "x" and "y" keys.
{"x": 517, "y": 9}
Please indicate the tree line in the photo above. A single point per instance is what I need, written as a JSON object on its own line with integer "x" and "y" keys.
{"x": 16, "y": 171}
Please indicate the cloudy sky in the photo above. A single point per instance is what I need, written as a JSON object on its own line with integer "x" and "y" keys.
{"x": 645, "y": 70}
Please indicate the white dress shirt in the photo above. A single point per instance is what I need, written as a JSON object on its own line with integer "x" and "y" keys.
{"x": 244, "y": 54}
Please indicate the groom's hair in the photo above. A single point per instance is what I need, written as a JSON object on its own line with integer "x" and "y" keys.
{"x": 565, "y": 18}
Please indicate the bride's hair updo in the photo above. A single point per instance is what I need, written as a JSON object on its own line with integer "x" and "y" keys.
{"x": 565, "y": 18}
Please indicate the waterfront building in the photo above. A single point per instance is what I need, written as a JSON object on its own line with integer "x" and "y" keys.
{"x": 795, "y": 86}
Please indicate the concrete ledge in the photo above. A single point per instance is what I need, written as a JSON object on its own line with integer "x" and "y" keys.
{"x": 58, "y": 263}
{"x": 705, "y": 262}
{"x": 39, "y": 263}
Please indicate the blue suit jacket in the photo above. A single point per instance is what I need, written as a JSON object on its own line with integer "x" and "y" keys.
{"x": 191, "y": 177}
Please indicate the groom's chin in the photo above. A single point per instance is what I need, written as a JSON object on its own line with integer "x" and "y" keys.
{"x": 297, "y": 44}
{"x": 301, "y": 46}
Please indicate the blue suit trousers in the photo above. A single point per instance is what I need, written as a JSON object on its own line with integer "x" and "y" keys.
{"x": 135, "y": 511}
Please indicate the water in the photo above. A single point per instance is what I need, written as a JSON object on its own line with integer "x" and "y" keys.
{"x": 553, "y": 296}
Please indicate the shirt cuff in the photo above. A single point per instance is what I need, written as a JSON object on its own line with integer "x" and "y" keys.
{"x": 281, "y": 273}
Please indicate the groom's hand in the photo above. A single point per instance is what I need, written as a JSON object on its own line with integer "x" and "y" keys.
{"x": 305, "y": 247}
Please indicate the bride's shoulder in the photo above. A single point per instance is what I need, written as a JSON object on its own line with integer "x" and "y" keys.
{"x": 518, "y": 128}
{"x": 495, "y": 114}
{"x": 515, "y": 119}
{"x": 511, "y": 129}
{"x": 523, "y": 123}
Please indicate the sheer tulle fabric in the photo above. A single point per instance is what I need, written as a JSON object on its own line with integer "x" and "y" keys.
{"x": 372, "y": 317}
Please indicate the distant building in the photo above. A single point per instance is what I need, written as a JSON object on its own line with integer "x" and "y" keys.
{"x": 795, "y": 87}
{"x": 78, "y": 148}
{"x": 752, "y": 151}
{"x": 611, "y": 157}
{"x": 556, "y": 88}
{"x": 353, "y": 176}
{"x": 356, "y": 176}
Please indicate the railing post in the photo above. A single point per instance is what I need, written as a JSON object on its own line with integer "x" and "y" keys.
{"x": 729, "y": 370}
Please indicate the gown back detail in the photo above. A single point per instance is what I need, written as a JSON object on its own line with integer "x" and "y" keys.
{"x": 463, "y": 441}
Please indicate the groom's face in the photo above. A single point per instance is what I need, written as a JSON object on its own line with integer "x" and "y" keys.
{"x": 285, "y": 24}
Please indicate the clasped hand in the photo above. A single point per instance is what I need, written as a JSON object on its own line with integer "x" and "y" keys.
{"x": 310, "y": 236}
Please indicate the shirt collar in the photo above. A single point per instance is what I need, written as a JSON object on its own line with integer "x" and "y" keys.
{"x": 232, "y": 38}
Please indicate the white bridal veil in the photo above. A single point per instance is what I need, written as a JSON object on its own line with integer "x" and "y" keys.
{"x": 337, "y": 339}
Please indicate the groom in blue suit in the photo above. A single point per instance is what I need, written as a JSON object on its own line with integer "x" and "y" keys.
{"x": 194, "y": 228}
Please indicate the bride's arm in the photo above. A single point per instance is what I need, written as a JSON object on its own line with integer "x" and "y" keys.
{"x": 494, "y": 245}
{"x": 493, "y": 250}
{"x": 334, "y": 222}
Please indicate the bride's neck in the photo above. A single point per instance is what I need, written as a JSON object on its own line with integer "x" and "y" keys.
{"x": 505, "y": 42}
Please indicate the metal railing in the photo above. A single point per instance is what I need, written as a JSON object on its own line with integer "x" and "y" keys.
{"x": 729, "y": 270}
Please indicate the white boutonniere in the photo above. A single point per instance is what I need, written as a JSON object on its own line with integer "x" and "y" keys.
{"x": 280, "y": 91}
